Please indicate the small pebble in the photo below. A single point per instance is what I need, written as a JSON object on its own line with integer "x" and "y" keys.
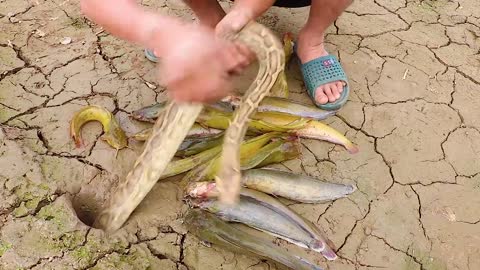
{"x": 150, "y": 85}
{"x": 13, "y": 20}
{"x": 66, "y": 40}
{"x": 40, "y": 33}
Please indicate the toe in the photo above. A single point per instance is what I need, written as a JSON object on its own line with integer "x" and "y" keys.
{"x": 335, "y": 90}
{"x": 320, "y": 97}
{"x": 328, "y": 91}
{"x": 340, "y": 86}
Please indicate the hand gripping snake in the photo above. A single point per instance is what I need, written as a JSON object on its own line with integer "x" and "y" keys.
{"x": 172, "y": 127}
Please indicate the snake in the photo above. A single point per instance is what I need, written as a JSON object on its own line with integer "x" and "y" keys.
{"x": 171, "y": 128}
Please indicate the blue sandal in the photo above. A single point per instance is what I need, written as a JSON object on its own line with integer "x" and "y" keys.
{"x": 150, "y": 56}
{"x": 320, "y": 71}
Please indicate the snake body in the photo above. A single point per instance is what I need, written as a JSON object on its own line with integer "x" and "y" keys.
{"x": 172, "y": 127}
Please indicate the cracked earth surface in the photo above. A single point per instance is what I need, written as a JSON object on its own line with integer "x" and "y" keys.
{"x": 414, "y": 70}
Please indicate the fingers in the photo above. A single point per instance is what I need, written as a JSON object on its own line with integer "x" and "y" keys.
{"x": 237, "y": 58}
{"x": 200, "y": 70}
{"x": 233, "y": 22}
{"x": 249, "y": 55}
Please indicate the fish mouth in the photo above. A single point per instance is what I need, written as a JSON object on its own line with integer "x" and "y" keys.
{"x": 317, "y": 246}
{"x": 200, "y": 190}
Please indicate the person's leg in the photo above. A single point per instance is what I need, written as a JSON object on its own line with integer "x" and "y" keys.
{"x": 310, "y": 44}
{"x": 209, "y": 12}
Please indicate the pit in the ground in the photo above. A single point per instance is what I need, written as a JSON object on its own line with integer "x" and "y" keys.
{"x": 86, "y": 207}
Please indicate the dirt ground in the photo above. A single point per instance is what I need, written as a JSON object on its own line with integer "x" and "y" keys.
{"x": 414, "y": 71}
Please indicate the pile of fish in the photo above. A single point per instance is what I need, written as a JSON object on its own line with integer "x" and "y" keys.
{"x": 273, "y": 136}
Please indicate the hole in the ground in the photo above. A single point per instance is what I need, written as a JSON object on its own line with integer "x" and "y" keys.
{"x": 86, "y": 207}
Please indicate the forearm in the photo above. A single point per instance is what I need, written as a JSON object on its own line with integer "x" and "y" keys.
{"x": 126, "y": 20}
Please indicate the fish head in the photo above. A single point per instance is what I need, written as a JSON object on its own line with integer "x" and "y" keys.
{"x": 201, "y": 189}
{"x": 116, "y": 139}
{"x": 287, "y": 37}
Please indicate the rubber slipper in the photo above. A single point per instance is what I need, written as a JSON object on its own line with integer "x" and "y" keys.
{"x": 320, "y": 71}
{"x": 151, "y": 56}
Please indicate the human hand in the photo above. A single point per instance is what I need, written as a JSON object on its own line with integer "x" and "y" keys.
{"x": 197, "y": 66}
{"x": 241, "y": 14}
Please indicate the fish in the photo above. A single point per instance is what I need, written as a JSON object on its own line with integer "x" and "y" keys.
{"x": 288, "y": 46}
{"x": 281, "y": 122}
{"x": 113, "y": 133}
{"x": 186, "y": 164}
{"x": 318, "y": 131}
{"x": 197, "y": 132}
{"x": 152, "y": 112}
{"x": 209, "y": 228}
{"x": 248, "y": 149}
{"x": 274, "y": 152}
{"x": 284, "y": 105}
{"x": 149, "y": 113}
{"x": 296, "y": 187}
{"x": 258, "y": 216}
{"x": 194, "y": 146}
{"x": 209, "y": 190}
{"x": 230, "y": 103}
{"x": 280, "y": 88}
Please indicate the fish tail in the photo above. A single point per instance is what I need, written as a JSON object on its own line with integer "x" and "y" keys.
{"x": 318, "y": 131}
{"x": 78, "y": 141}
{"x": 351, "y": 147}
{"x": 75, "y": 135}
{"x": 311, "y": 265}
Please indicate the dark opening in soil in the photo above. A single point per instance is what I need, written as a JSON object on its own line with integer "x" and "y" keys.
{"x": 86, "y": 207}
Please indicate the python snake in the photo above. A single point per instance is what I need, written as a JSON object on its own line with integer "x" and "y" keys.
{"x": 172, "y": 127}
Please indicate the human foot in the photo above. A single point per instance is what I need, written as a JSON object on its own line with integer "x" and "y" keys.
{"x": 309, "y": 49}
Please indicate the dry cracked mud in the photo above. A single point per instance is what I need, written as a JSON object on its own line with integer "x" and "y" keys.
{"x": 414, "y": 70}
